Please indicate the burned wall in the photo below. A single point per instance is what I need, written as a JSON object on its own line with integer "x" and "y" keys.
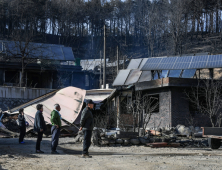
{"x": 163, "y": 117}
{"x": 181, "y": 113}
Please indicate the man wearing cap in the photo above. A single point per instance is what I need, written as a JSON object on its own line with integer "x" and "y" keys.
{"x": 55, "y": 130}
{"x": 86, "y": 124}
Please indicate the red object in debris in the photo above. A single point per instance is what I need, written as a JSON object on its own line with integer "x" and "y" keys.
{"x": 162, "y": 144}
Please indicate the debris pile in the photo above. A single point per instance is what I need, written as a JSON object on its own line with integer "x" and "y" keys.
{"x": 10, "y": 123}
{"x": 179, "y": 136}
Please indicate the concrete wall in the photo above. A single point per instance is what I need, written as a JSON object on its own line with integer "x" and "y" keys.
{"x": 174, "y": 109}
{"x": 163, "y": 118}
{"x": 11, "y": 97}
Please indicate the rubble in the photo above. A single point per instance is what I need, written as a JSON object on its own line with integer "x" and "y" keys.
{"x": 163, "y": 144}
{"x": 135, "y": 141}
{"x": 179, "y": 136}
{"x": 9, "y": 122}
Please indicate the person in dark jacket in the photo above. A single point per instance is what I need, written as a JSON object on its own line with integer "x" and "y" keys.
{"x": 56, "y": 125}
{"x": 22, "y": 126}
{"x": 86, "y": 125}
{"x": 39, "y": 126}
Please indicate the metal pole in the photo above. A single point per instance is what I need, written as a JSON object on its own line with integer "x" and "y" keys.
{"x": 117, "y": 54}
{"x": 123, "y": 62}
{"x": 100, "y": 73}
{"x": 104, "y": 56}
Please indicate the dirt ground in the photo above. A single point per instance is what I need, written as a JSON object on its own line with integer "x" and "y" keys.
{"x": 18, "y": 156}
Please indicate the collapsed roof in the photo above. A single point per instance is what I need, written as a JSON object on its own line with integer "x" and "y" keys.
{"x": 70, "y": 99}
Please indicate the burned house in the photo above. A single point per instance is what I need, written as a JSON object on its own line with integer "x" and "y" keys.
{"x": 45, "y": 66}
{"x": 165, "y": 79}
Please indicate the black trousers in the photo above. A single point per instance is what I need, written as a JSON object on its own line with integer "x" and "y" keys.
{"x": 22, "y": 133}
{"x": 39, "y": 139}
{"x": 87, "y": 141}
{"x": 55, "y": 137}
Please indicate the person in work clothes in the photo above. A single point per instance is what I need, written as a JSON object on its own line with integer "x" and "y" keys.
{"x": 22, "y": 126}
{"x": 55, "y": 130}
{"x": 39, "y": 126}
{"x": 86, "y": 124}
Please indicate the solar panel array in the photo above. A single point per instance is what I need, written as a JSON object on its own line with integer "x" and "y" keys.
{"x": 189, "y": 62}
{"x": 133, "y": 74}
{"x": 38, "y": 50}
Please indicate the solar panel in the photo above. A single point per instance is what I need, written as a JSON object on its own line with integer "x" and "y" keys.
{"x": 200, "y": 58}
{"x": 184, "y": 59}
{"x": 175, "y": 73}
{"x": 165, "y": 66}
{"x": 188, "y": 62}
{"x": 189, "y": 73}
{"x": 155, "y": 77}
{"x": 214, "y": 64}
{"x": 143, "y": 62}
{"x": 134, "y": 63}
{"x": 169, "y": 60}
{"x": 214, "y": 61}
{"x": 121, "y": 77}
{"x": 145, "y": 76}
{"x": 164, "y": 73}
{"x": 181, "y": 65}
{"x": 151, "y": 64}
{"x": 133, "y": 77}
{"x": 198, "y": 65}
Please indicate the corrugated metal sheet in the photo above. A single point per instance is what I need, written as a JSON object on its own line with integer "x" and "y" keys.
{"x": 98, "y": 95}
{"x": 97, "y": 98}
{"x": 70, "y": 99}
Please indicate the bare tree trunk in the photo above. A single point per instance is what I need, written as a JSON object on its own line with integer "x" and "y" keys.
{"x": 23, "y": 73}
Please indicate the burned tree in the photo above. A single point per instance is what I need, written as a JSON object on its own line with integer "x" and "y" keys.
{"x": 206, "y": 98}
{"x": 142, "y": 107}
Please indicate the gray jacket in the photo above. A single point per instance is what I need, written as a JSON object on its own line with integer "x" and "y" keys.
{"x": 39, "y": 122}
{"x": 86, "y": 121}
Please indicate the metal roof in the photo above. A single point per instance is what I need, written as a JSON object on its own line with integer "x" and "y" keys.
{"x": 98, "y": 95}
{"x": 69, "y": 98}
{"x": 37, "y": 50}
{"x": 188, "y": 62}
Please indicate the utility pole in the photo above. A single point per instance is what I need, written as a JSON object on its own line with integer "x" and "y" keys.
{"x": 100, "y": 73}
{"x": 117, "y": 55}
{"x": 104, "y": 58}
{"x": 124, "y": 62}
